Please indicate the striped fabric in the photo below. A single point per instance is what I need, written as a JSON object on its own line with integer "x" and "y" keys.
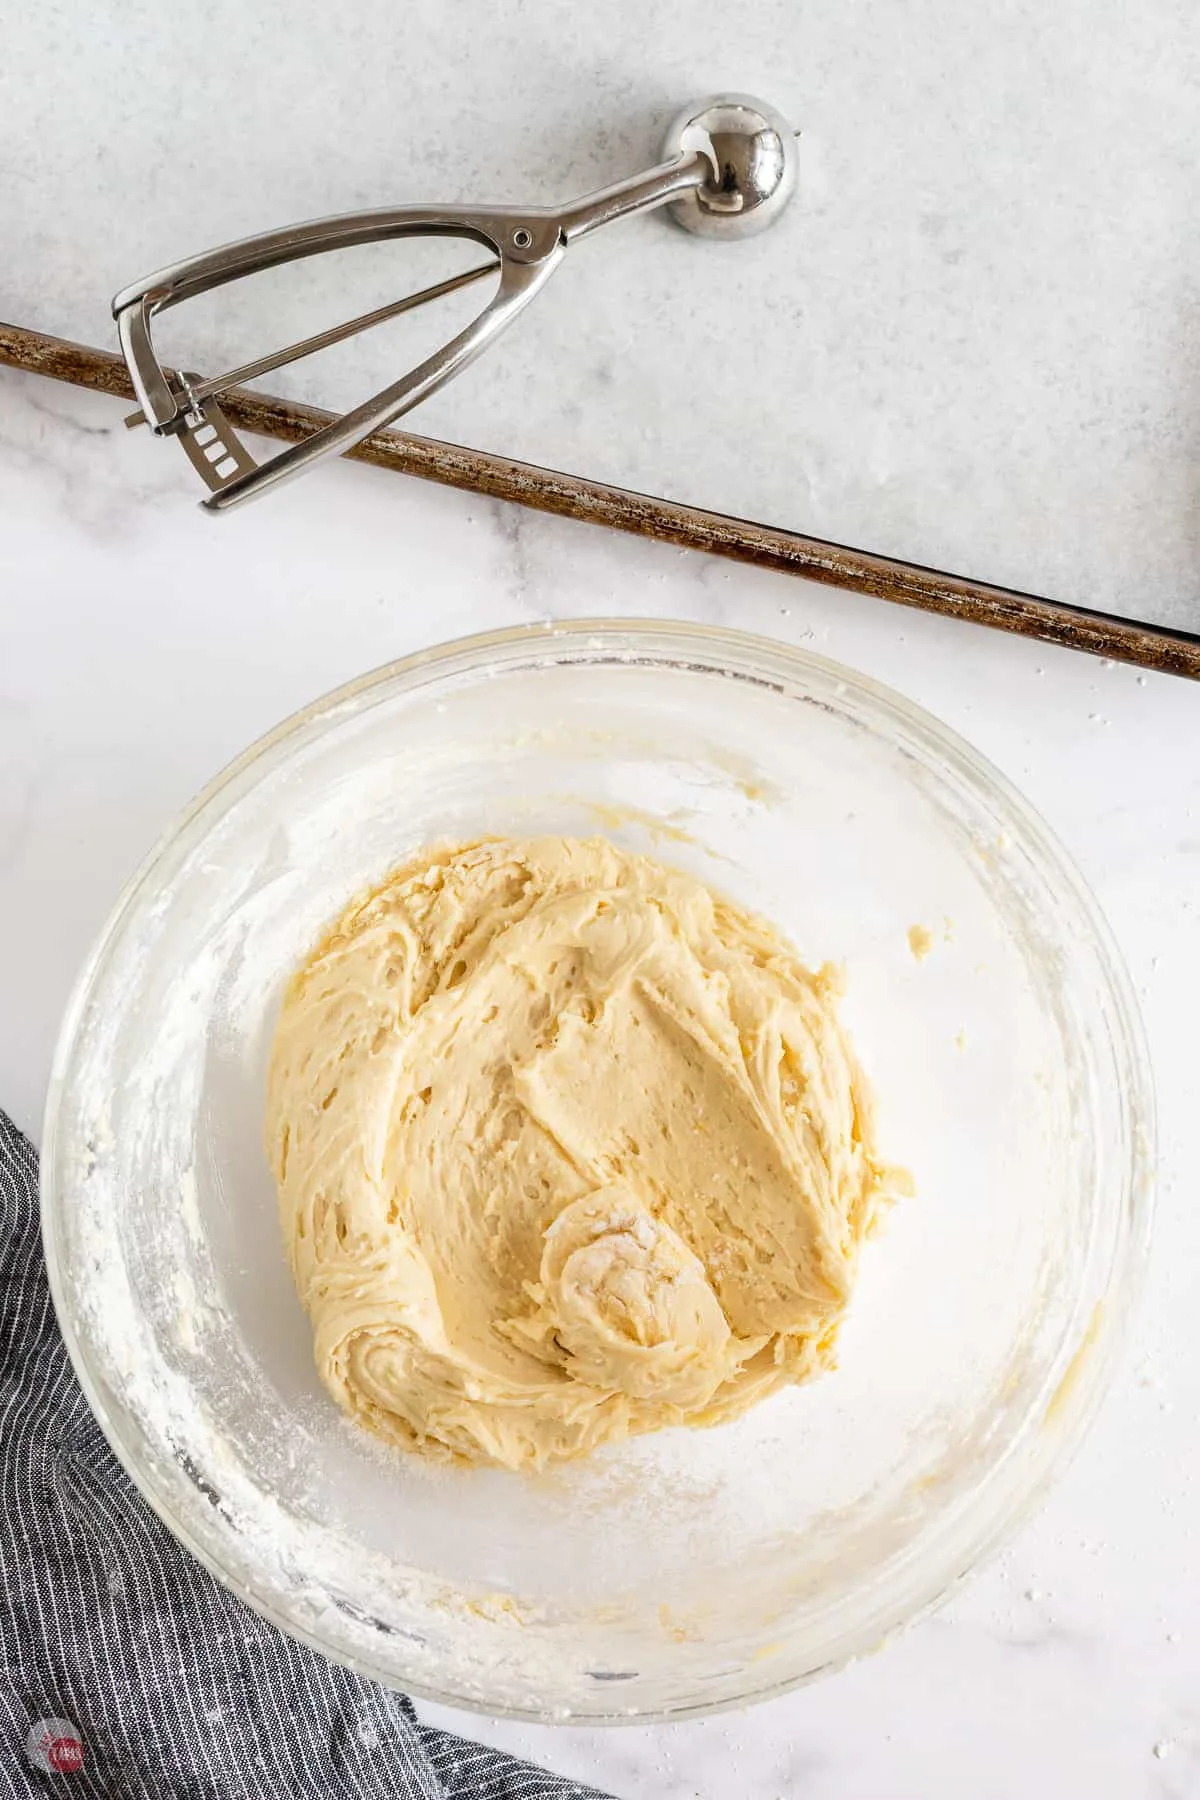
{"x": 177, "y": 1691}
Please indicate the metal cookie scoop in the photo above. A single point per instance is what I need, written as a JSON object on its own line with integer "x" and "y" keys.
{"x": 730, "y": 171}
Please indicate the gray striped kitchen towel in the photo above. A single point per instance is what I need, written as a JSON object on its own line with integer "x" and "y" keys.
{"x": 126, "y": 1671}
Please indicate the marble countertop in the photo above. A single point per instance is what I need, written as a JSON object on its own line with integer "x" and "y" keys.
{"x": 146, "y": 643}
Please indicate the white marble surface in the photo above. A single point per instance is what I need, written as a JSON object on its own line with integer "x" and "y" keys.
{"x": 146, "y": 643}
{"x": 972, "y": 342}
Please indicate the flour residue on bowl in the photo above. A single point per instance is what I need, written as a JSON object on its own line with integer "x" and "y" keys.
{"x": 819, "y": 1520}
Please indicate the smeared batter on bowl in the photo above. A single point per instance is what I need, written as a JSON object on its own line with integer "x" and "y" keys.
{"x": 567, "y": 1148}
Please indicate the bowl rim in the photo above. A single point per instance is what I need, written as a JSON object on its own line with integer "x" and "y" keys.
{"x": 1098, "y": 1347}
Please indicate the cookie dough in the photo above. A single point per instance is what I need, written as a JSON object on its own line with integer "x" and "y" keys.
{"x": 567, "y": 1148}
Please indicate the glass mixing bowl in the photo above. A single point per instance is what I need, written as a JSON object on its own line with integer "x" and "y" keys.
{"x": 685, "y": 1571}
